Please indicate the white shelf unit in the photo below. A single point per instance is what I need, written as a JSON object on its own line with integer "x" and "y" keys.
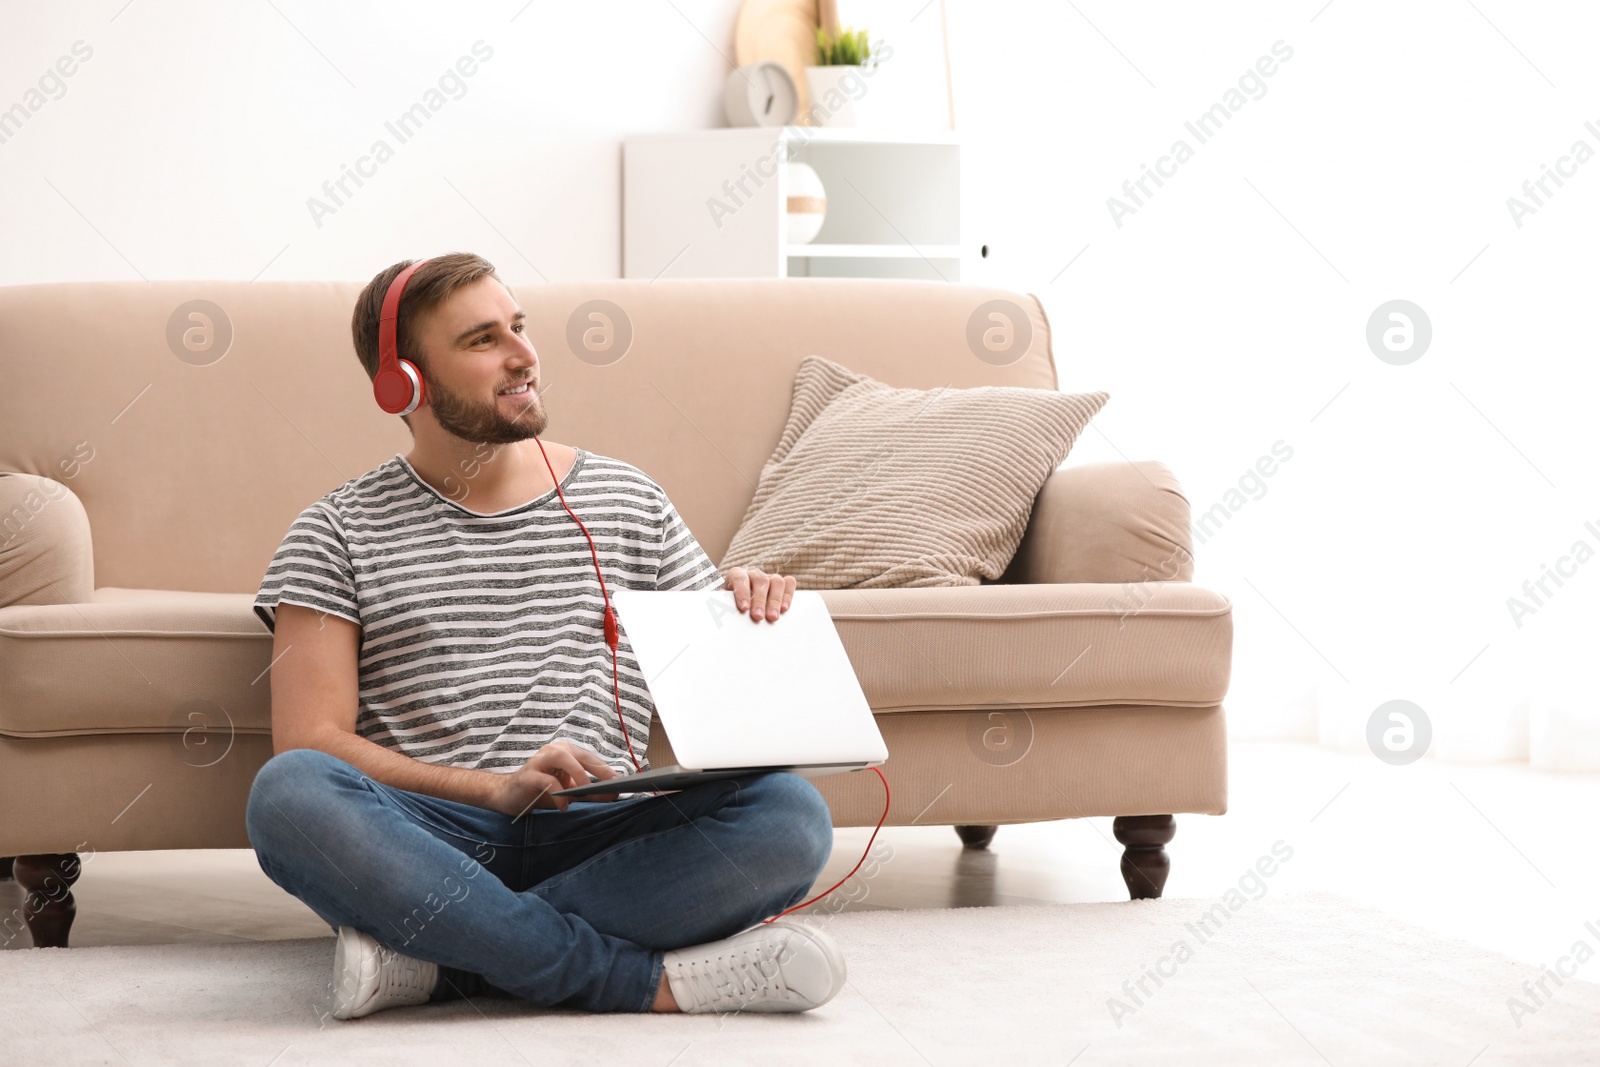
{"x": 711, "y": 204}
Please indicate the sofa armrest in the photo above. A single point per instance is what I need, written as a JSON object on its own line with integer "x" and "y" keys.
{"x": 46, "y": 554}
{"x": 1106, "y": 522}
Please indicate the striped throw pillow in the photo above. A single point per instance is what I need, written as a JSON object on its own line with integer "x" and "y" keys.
{"x": 872, "y": 486}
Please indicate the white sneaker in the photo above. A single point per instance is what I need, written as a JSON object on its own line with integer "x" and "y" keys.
{"x": 778, "y": 966}
{"x": 368, "y": 977}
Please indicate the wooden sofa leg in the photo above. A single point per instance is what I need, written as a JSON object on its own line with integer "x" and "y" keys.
{"x": 48, "y": 907}
{"x": 1144, "y": 861}
{"x": 976, "y": 836}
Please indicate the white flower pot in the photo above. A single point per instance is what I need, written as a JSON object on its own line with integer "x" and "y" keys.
{"x": 836, "y": 94}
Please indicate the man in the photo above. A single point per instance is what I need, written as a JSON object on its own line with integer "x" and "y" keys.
{"x": 440, "y": 668}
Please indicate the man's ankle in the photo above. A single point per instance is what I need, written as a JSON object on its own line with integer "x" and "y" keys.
{"x": 664, "y": 999}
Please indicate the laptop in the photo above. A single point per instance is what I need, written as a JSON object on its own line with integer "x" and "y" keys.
{"x": 737, "y": 697}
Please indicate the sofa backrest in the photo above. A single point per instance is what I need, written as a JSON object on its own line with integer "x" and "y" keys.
{"x": 191, "y": 468}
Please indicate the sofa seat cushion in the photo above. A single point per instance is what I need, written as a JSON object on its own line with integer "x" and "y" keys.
{"x": 1167, "y": 644}
{"x": 152, "y": 661}
{"x": 135, "y": 661}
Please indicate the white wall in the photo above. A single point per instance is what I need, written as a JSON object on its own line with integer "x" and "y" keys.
{"x": 194, "y": 135}
{"x": 1227, "y": 314}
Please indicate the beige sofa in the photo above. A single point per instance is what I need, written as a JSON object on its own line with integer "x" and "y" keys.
{"x": 155, "y": 459}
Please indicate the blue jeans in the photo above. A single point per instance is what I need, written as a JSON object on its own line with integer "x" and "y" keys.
{"x": 563, "y": 909}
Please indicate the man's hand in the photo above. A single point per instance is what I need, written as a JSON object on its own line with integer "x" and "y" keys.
{"x": 557, "y": 765}
{"x": 763, "y": 593}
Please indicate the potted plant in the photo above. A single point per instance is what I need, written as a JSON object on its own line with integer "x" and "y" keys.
{"x": 839, "y": 79}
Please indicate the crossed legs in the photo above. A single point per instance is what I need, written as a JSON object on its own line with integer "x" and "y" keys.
{"x": 563, "y": 909}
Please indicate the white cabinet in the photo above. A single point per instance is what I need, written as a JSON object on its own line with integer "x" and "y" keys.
{"x": 712, "y": 204}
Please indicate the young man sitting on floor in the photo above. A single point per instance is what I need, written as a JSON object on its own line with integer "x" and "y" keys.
{"x": 440, "y": 668}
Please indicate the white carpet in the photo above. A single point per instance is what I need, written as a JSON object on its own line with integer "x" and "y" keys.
{"x": 1288, "y": 979}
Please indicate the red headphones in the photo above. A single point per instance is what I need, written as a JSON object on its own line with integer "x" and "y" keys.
{"x": 398, "y": 384}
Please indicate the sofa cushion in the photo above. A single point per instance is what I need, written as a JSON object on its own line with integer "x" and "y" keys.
{"x": 874, "y": 487}
{"x": 1036, "y": 646}
{"x": 146, "y": 661}
{"x": 135, "y": 661}
{"x": 695, "y": 394}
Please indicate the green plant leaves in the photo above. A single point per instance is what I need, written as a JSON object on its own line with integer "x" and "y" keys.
{"x": 849, "y": 49}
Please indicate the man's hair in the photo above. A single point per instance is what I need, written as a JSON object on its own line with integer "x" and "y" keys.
{"x": 429, "y": 287}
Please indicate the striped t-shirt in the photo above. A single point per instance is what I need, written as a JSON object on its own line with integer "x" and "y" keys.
{"x": 482, "y": 636}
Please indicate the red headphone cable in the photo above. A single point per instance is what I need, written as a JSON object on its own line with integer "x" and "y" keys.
{"x": 611, "y": 641}
{"x": 610, "y": 618}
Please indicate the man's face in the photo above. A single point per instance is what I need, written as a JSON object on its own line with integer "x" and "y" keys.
{"x": 477, "y": 348}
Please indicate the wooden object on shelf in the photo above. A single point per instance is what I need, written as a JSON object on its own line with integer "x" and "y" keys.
{"x": 784, "y": 31}
{"x": 828, "y": 16}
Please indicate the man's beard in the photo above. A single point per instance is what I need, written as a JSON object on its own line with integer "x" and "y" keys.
{"x": 487, "y": 423}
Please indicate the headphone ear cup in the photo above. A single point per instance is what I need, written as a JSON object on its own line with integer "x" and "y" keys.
{"x": 397, "y": 385}
{"x": 400, "y": 390}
